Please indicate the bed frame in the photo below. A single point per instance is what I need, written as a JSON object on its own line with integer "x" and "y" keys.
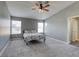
{"x": 33, "y": 36}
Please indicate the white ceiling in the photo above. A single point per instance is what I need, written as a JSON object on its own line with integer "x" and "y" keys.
{"x": 24, "y": 9}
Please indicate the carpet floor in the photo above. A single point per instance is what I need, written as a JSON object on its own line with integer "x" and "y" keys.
{"x": 51, "y": 48}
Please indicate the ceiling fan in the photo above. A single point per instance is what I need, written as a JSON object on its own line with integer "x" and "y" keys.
{"x": 41, "y": 6}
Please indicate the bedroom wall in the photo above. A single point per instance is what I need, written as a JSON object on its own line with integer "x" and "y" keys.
{"x": 57, "y": 25}
{"x": 4, "y": 25}
{"x": 27, "y": 24}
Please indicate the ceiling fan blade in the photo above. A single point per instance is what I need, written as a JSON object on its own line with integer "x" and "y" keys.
{"x": 46, "y": 6}
{"x": 46, "y": 10}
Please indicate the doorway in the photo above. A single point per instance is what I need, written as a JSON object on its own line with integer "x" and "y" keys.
{"x": 73, "y": 30}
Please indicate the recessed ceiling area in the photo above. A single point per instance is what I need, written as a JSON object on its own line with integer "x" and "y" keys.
{"x": 24, "y": 9}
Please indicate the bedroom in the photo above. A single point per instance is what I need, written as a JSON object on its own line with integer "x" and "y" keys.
{"x": 24, "y": 23}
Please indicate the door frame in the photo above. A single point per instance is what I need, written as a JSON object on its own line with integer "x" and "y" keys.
{"x": 69, "y": 37}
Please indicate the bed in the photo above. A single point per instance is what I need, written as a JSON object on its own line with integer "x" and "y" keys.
{"x": 28, "y": 36}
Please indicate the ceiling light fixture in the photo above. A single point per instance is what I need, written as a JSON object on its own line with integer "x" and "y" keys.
{"x": 41, "y": 6}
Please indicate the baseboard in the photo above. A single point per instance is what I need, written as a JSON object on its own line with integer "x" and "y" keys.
{"x": 1, "y": 52}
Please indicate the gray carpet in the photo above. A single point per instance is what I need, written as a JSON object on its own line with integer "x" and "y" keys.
{"x": 52, "y": 48}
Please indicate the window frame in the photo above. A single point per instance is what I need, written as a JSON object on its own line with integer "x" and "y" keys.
{"x": 42, "y": 27}
{"x": 16, "y": 26}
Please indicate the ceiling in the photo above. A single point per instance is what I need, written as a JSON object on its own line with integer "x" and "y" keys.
{"x": 24, "y": 9}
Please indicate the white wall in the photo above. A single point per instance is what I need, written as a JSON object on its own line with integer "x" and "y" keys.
{"x": 4, "y": 25}
{"x": 57, "y": 25}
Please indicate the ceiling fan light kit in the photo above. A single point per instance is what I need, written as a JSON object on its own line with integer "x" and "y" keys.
{"x": 41, "y": 6}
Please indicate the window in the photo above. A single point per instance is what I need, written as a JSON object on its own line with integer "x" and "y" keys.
{"x": 40, "y": 27}
{"x": 16, "y": 27}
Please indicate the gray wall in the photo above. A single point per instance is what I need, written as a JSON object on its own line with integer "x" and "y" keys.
{"x": 4, "y": 25}
{"x": 27, "y": 24}
{"x": 57, "y": 25}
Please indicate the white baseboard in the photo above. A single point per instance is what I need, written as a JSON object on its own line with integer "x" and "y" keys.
{"x": 4, "y": 48}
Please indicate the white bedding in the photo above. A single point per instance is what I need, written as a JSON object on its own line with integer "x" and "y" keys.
{"x": 33, "y": 36}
